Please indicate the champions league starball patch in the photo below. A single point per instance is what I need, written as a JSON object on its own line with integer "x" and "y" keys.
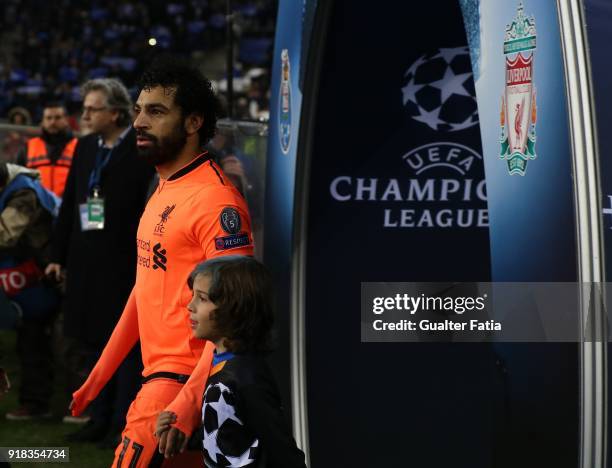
{"x": 230, "y": 220}
{"x": 518, "y": 107}
{"x": 226, "y": 441}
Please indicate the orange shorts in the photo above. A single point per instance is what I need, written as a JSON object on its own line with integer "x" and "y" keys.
{"x": 139, "y": 446}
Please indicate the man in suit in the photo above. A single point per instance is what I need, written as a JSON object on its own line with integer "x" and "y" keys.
{"x": 105, "y": 195}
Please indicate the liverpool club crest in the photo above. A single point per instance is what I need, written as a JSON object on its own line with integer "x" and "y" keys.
{"x": 518, "y": 108}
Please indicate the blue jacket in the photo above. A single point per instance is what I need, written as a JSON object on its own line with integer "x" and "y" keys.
{"x": 19, "y": 277}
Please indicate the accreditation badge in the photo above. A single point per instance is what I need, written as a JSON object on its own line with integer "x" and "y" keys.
{"x": 92, "y": 214}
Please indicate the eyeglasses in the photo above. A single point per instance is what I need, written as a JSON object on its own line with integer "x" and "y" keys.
{"x": 89, "y": 109}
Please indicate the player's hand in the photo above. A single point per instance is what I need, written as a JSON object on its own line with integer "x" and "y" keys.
{"x": 5, "y": 383}
{"x": 54, "y": 270}
{"x": 172, "y": 442}
{"x": 164, "y": 420}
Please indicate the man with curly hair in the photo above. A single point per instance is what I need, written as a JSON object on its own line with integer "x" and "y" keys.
{"x": 194, "y": 214}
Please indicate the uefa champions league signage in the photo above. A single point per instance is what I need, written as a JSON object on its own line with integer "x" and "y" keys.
{"x": 442, "y": 186}
{"x": 518, "y": 108}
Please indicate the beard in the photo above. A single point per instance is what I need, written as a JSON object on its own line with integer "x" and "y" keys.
{"x": 165, "y": 149}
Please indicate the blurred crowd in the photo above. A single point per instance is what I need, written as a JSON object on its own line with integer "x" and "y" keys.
{"x": 45, "y": 55}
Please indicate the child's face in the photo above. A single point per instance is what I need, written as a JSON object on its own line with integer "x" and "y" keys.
{"x": 201, "y": 310}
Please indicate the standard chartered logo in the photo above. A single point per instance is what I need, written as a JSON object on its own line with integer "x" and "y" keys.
{"x": 425, "y": 193}
{"x": 159, "y": 257}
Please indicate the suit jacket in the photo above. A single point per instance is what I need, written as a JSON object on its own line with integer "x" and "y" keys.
{"x": 100, "y": 264}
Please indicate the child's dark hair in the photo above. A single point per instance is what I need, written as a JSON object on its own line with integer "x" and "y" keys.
{"x": 241, "y": 288}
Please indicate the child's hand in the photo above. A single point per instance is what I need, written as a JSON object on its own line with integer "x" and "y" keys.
{"x": 172, "y": 442}
{"x": 164, "y": 420}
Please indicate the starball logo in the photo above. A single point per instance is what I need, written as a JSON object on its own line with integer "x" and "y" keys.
{"x": 439, "y": 90}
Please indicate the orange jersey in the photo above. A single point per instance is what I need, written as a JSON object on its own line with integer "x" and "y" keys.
{"x": 194, "y": 215}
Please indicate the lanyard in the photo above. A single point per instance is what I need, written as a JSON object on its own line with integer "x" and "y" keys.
{"x": 102, "y": 157}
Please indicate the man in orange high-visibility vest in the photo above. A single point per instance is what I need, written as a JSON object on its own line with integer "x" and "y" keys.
{"x": 51, "y": 153}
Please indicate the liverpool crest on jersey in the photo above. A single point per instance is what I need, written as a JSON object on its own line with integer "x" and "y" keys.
{"x": 518, "y": 107}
